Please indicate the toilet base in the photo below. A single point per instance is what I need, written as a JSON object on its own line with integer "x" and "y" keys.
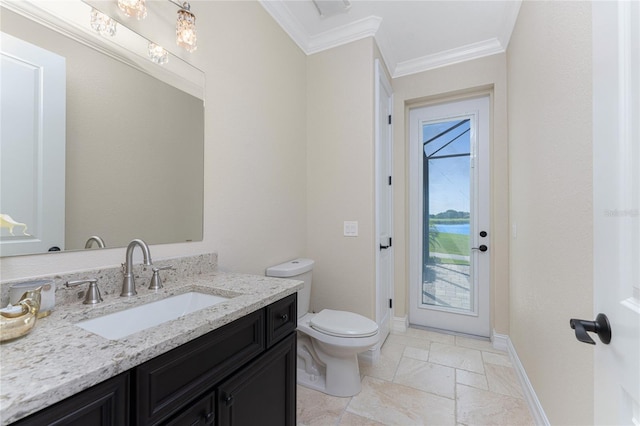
{"x": 341, "y": 379}
{"x": 318, "y": 383}
{"x": 310, "y": 381}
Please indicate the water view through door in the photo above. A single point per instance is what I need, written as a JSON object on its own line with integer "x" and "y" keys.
{"x": 449, "y": 193}
{"x": 446, "y": 213}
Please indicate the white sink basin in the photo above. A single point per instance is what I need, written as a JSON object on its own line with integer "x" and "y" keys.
{"x": 121, "y": 324}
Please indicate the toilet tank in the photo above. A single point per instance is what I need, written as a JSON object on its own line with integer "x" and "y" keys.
{"x": 297, "y": 269}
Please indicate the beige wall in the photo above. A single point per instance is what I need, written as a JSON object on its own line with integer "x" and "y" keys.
{"x": 485, "y": 75}
{"x": 255, "y": 132}
{"x": 549, "y": 76}
{"x": 340, "y": 173}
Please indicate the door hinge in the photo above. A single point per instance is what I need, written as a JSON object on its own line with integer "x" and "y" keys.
{"x": 389, "y": 119}
{"x": 389, "y": 180}
{"x": 390, "y": 303}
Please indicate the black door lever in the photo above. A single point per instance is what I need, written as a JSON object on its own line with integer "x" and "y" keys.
{"x": 600, "y": 326}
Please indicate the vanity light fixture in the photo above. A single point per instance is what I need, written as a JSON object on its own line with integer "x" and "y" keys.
{"x": 133, "y": 8}
{"x": 102, "y": 24}
{"x": 158, "y": 54}
{"x": 185, "y": 23}
{"x": 185, "y": 27}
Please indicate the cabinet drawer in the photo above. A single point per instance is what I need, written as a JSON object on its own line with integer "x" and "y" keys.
{"x": 169, "y": 381}
{"x": 282, "y": 319}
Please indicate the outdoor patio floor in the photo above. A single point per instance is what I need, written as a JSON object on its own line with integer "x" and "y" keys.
{"x": 450, "y": 287}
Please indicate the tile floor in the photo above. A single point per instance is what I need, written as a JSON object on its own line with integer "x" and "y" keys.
{"x": 426, "y": 378}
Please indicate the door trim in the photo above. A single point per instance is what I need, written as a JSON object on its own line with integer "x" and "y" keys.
{"x": 383, "y": 85}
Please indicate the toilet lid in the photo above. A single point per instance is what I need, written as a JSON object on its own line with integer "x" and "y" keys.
{"x": 343, "y": 324}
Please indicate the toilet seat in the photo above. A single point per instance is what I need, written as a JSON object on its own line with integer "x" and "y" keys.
{"x": 343, "y": 324}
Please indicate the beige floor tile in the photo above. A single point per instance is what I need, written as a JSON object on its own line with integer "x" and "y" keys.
{"x": 472, "y": 379}
{"x": 416, "y": 353}
{"x": 393, "y": 404}
{"x": 480, "y": 407}
{"x": 494, "y": 358}
{"x": 480, "y": 344}
{"x": 425, "y": 376}
{"x": 350, "y": 419}
{"x": 413, "y": 342}
{"x": 385, "y": 367}
{"x": 318, "y": 409}
{"x": 456, "y": 356}
{"x": 503, "y": 380}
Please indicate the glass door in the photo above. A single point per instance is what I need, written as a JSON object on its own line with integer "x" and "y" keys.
{"x": 449, "y": 219}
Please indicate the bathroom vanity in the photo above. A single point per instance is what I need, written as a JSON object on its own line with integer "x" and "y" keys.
{"x": 230, "y": 364}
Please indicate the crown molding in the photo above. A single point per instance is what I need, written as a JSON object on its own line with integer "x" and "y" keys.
{"x": 509, "y": 22}
{"x": 310, "y": 44}
{"x": 368, "y": 27}
{"x": 363, "y": 28}
{"x": 449, "y": 57}
{"x": 289, "y": 23}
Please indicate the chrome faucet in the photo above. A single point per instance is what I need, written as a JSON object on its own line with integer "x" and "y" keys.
{"x": 99, "y": 241}
{"x": 129, "y": 284}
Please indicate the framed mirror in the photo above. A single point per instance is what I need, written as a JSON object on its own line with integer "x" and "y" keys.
{"x": 99, "y": 145}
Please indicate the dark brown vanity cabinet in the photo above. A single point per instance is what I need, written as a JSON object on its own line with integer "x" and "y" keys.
{"x": 106, "y": 403}
{"x": 243, "y": 373}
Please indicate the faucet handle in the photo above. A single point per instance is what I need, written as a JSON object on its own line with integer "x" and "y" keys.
{"x": 93, "y": 293}
{"x": 156, "y": 281}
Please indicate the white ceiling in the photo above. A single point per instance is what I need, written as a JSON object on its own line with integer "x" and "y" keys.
{"x": 413, "y": 35}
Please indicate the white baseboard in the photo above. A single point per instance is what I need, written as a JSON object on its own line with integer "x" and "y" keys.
{"x": 499, "y": 341}
{"x": 539, "y": 417}
{"x": 400, "y": 324}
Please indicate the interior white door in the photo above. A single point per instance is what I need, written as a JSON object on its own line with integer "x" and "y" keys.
{"x": 32, "y": 193}
{"x": 449, "y": 216}
{"x": 616, "y": 168}
{"x": 384, "y": 204}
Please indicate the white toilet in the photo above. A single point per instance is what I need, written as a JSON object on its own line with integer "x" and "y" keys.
{"x": 329, "y": 341}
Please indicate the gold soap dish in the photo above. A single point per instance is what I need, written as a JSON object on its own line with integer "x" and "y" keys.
{"x": 19, "y": 319}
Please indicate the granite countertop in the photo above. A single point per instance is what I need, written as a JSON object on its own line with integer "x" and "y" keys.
{"x": 59, "y": 359}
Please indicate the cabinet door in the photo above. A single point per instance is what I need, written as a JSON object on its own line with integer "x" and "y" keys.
{"x": 104, "y": 404}
{"x": 200, "y": 413}
{"x": 263, "y": 393}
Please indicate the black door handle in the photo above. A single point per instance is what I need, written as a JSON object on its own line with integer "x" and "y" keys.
{"x": 482, "y": 248}
{"x": 600, "y": 326}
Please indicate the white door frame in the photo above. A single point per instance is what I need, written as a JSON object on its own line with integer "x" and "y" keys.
{"x": 384, "y": 201}
{"x": 477, "y": 322}
{"x": 616, "y": 209}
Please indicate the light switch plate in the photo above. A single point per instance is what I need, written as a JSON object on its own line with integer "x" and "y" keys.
{"x": 350, "y": 228}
